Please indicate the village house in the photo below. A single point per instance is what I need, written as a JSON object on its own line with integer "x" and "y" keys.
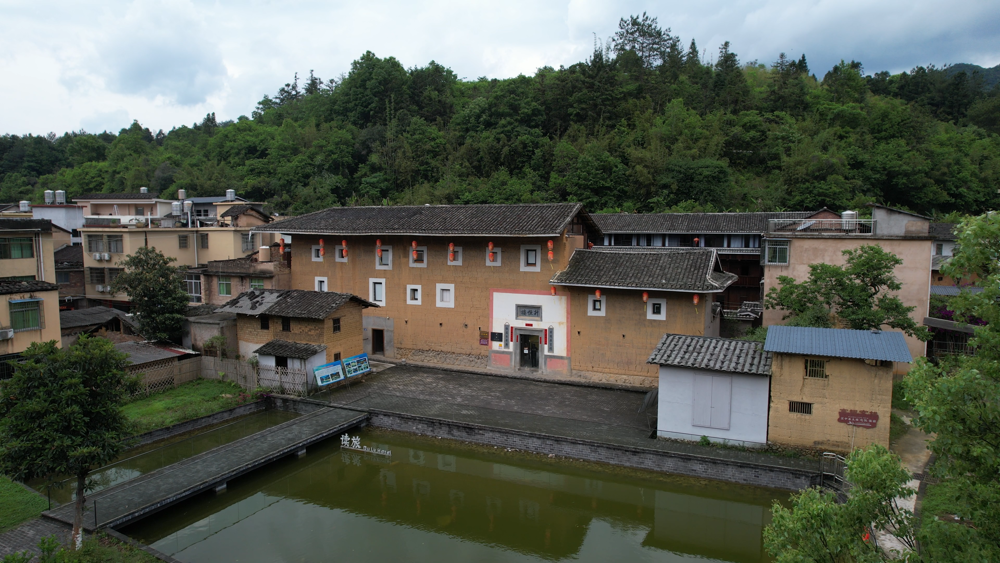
{"x": 713, "y": 387}
{"x": 29, "y": 312}
{"x": 100, "y": 321}
{"x": 791, "y": 245}
{"x": 832, "y": 388}
{"x": 505, "y": 287}
{"x": 69, "y": 276}
{"x": 297, "y": 329}
{"x": 222, "y": 279}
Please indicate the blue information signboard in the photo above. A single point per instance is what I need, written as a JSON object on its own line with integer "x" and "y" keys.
{"x": 329, "y": 373}
{"x": 356, "y": 365}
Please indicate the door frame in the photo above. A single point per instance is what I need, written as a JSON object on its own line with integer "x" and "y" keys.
{"x": 382, "y": 332}
{"x": 518, "y": 331}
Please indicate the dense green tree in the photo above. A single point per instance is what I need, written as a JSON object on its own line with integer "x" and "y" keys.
{"x": 61, "y": 414}
{"x": 153, "y": 287}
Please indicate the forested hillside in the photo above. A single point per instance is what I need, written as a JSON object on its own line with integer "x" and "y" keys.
{"x": 647, "y": 123}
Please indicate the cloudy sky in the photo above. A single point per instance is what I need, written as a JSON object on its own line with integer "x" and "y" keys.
{"x": 70, "y": 66}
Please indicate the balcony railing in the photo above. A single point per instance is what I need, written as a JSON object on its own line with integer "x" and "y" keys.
{"x": 864, "y": 227}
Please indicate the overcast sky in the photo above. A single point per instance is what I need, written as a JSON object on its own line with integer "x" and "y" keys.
{"x": 66, "y": 66}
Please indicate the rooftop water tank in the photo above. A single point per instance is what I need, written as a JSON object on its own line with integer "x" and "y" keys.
{"x": 60, "y": 197}
{"x": 188, "y": 205}
{"x": 182, "y": 194}
{"x": 175, "y": 208}
{"x": 50, "y": 197}
{"x": 25, "y": 206}
{"x": 850, "y": 219}
{"x": 230, "y": 195}
{"x": 144, "y": 190}
{"x": 264, "y": 254}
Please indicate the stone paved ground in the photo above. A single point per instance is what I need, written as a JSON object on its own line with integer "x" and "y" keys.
{"x": 26, "y": 536}
{"x": 563, "y": 410}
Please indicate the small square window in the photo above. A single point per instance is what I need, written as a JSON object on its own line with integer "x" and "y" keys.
{"x": 530, "y": 258}
{"x": 455, "y": 257}
{"x": 816, "y": 369}
{"x": 595, "y": 306}
{"x": 320, "y": 284}
{"x": 340, "y": 253}
{"x": 777, "y": 252}
{"x": 336, "y": 325}
{"x": 376, "y": 290}
{"x": 418, "y": 257}
{"x": 286, "y": 324}
{"x": 317, "y": 255}
{"x": 336, "y": 356}
{"x": 656, "y": 309}
{"x": 383, "y": 262}
{"x": 445, "y": 295}
{"x": 413, "y": 296}
{"x": 494, "y": 257}
{"x": 265, "y": 322}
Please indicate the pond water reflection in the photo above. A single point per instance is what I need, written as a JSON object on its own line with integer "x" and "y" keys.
{"x": 433, "y": 501}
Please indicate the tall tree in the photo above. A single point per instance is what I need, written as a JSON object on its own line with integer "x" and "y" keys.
{"x": 643, "y": 36}
{"x": 153, "y": 287}
{"x": 61, "y": 414}
{"x": 859, "y": 293}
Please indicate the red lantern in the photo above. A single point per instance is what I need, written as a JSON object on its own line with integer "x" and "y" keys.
{"x": 695, "y": 299}
{"x": 414, "y": 245}
{"x": 551, "y": 245}
{"x": 645, "y": 296}
{"x": 281, "y": 246}
{"x": 490, "y": 246}
{"x": 696, "y": 241}
{"x": 493, "y": 257}
{"x": 322, "y": 251}
{"x": 378, "y": 252}
{"x": 553, "y": 288}
{"x": 451, "y": 256}
{"x": 590, "y": 245}
{"x": 598, "y": 294}
{"x": 551, "y": 255}
{"x": 343, "y": 253}
{"x": 343, "y": 243}
{"x": 414, "y": 254}
{"x": 451, "y": 247}
{"x": 378, "y": 242}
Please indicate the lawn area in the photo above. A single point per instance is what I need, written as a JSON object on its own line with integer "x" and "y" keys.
{"x": 942, "y": 499}
{"x": 17, "y": 505}
{"x": 191, "y": 400}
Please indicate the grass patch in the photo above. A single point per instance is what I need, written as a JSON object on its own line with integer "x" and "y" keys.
{"x": 942, "y": 498}
{"x": 18, "y": 505}
{"x": 899, "y": 397}
{"x": 897, "y": 427}
{"x": 101, "y": 548}
{"x": 198, "y": 398}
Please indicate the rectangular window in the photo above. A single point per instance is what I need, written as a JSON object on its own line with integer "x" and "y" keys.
{"x": 203, "y": 239}
{"x": 256, "y": 283}
{"x": 62, "y": 277}
{"x": 816, "y": 369}
{"x": 95, "y": 243}
{"x": 192, "y": 285}
{"x": 339, "y": 253}
{"x": 225, "y": 286}
{"x": 265, "y": 322}
{"x": 18, "y": 247}
{"x": 336, "y": 356}
{"x": 201, "y": 213}
{"x": 96, "y": 275}
{"x": 530, "y": 258}
{"x": 383, "y": 261}
{"x": 140, "y": 210}
{"x": 336, "y": 325}
{"x": 656, "y": 309}
{"x": 317, "y": 253}
{"x": 286, "y": 324}
{"x": 376, "y": 290}
{"x": 445, "y": 295}
{"x": 776, "y": 252}
{"x": 320, "y": 284}
{"x": 800, "y": 408}
{"x": 182, "y": 241}
{"x": 494, "y": 257}
{"x": 114, "y": 273}
{"x": 528, "y": 312}
{"x": 115, "y": 244}
{"x": 455, "y": 257}
{"x": 595, "y": 305}
{"x": 418, "y": 257}
{"x": 247, "y": 241}
{"x": 413, "y": 295}
{"x": 939, "y": 249}
{"x": 26, "y": 315}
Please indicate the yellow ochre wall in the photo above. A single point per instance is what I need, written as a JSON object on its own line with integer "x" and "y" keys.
{"x": 29, "y": 266}
{"x": 851, "y": 384}
{"x": 306, "y": 331}
{"x": 50, "y": 325}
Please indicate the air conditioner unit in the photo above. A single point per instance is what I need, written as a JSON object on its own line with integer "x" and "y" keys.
{"x": 6, "y": 333}
{"x": 105, "y": 256}
{"x": 100, "y": 289}
{"x": 97, "y": 256}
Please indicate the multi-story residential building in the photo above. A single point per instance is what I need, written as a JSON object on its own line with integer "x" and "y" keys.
{"x": 221, "y": 280}
{"x": 69, "y": 276}
{"x": 506, "y": 287}
{"x": 29, "y": 309}
{"x": 791, "y": 245}
{"x": 166, "y": 226}
{"x": 68, "y": 216}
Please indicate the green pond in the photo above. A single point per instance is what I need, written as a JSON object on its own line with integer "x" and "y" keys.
{"x": 151, "y": 457}
{"x": 440, "y": 501}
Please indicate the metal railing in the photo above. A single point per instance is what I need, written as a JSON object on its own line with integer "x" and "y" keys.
{"x": 822, "y": 226}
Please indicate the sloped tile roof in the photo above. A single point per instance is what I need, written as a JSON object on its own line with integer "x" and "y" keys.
{"x": 938, "y": 261}
{"x": 883, "y": 345}
{"x": 145, "y": 352}
{"x": 290, "y": 349}
{"x": 25, "y": 224}
{"x": 92, "y": 316}
{"x": 237, "y": 210}
{"x": 150, "y": 195}
{"x": 236, "y": 267}
{"x": 68, "y": 257}
{"x": 718, "y": 354}
{"x": 943, "y": 231}
{"x": 690, "y": 223}
{"x": 10, "y": 287}
{"x": 295, "y": 303}
{"x": 538, "y": 219}
{"x": 693, "y": 270}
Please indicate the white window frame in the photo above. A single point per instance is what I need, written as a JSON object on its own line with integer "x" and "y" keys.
{"x": 441, "y": 287}
{"x": 338, "y": 255}
{"x": 371, "y": 291}
{"x": 590, "y": 306}
{"x": 321, "y": 280}
{"x": 458, "y": 254}
{"x": 663, "y": 309}
{"x": 524, "y": 258}
{"x": 387, "y": 254}
{"x": 420, "y": 295}
{"x": 499, "y": 254}
{"x": 786, "y": 244}
{"x": 418, "y": 249}
{"x": 316, "y": 257}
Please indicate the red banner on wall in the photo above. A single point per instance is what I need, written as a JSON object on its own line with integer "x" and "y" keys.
{"x": 864, "y": 419}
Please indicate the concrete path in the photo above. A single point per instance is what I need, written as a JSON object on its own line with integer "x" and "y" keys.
{"x": 208, "y": 471}
{"x": 26, "y": 536}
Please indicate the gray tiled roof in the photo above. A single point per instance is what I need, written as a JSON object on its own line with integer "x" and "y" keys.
{"x": 943, "y": 231}
{"x": 237, "y": 210}
{"x": 541, "y": 219}
{"x": 693, "y": 223}
{"x": 938, "y": 261}
{"x": 68, "y": 257}
{"x": 25, "y": 224}
{"x": 290, "y": 349}
{"x": 295, "y": 303}
{"x": 92, "y": 316}
{"x": 236, "y": 267}
{"x": 693, "y": 270}
{"x": 719, "y": 354}
{"x": 150, "y": 195}
{"x": 10, "y": 287}
{"x": 144, "y": 352}
{"x": 883, "y": 345}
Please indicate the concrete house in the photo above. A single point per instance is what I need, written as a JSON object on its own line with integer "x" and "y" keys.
{"x": 297, "y": 329}
{"x": 222, "y": 279}
{"x": 832, "y": 388}
{"x": 713, "y": 387}
{"x": 29, "y": 312}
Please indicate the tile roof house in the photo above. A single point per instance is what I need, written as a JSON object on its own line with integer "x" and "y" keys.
{"x": 222, "y": 279}
{"x": 103, "y": 321}
{"x": 713, "y": 387}
{"x": 689, "y": 270}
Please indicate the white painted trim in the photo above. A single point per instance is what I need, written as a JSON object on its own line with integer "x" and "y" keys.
{"x": 418, "y": 249}
{"x": 323, "y": 280}
{"x": 439, "y": 290}
{"x": 524, "y": 258}
{"x": 650, "y": 315}
{"x": 590, "y": 306}
{"x": 338, "y": 255}
{"x": 386, "y": 253}
{"x": 371, "y": 290}
{"x": 315, "y": 253}
{"x": 420, "y": 295}
{"x": 499, "y": 253}
{"x": 458, "y": 254}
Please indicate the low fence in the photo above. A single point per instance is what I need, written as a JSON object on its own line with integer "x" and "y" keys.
{"x": 165, "y": 374}
{"x": 168, "y": 374}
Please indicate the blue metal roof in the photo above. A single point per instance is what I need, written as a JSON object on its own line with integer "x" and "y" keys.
{"x": 838, "y": 343}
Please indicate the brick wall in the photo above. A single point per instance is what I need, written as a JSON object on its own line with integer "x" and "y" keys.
{"x": 348, "y": 342}
{"x": 308, "y": 331}
{"x": 851, "y": 384}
